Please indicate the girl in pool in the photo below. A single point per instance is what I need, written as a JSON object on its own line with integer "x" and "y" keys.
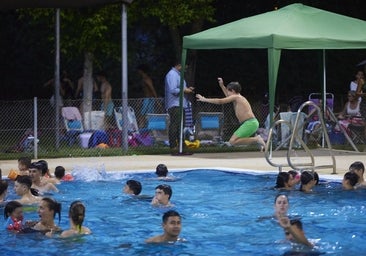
{"x": 281, "y": 206}
{"x": 76, "y": 217}
{"x": 13, "y": 213}
{"x": 47, "y": 210}
{"x": 308, "y": 181}
{"x": 285, "y": 181}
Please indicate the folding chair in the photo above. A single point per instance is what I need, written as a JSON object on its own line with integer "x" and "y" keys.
{"x": 356, "y": 130}
{"x": 313, "y": 130}
{"x": 73, "y": 123}
{"x": 209, "y": 126}
{"x": 158, "y": 125}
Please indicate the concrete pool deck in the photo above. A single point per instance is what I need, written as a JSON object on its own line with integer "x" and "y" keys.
{"x": 235, "y": 160}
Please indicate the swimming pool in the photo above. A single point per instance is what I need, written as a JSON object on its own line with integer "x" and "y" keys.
{"x": 223, "y": 213}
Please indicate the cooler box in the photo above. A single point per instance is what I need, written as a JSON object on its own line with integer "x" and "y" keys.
{"x": 84, "y": 139}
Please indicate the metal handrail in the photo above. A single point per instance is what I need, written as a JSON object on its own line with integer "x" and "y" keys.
{"x": 295, "y": 137}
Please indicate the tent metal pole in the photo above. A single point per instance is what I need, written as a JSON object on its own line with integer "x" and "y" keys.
{"x": 181, "y": 95}
{"x": 124, "y": 77}
{"x": 57, "y": 79}
{"x": 324, "y": 105}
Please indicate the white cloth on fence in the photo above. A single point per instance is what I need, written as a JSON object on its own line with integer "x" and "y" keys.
{"x": 290, "y": 117}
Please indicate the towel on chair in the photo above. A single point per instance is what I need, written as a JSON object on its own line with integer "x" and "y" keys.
{"x": 71, "y": 113}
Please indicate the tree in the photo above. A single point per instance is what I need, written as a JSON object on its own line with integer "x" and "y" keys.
{"x": 180, "y": 16}
{"x": 84, "y": 31}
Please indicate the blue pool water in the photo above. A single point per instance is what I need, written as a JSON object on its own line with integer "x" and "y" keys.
{"x": 224, "y": 213}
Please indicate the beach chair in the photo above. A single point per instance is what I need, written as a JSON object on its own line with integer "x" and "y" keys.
{"x": 356, "y": 130}
{"x": 313, "y": 129}
{"x": 209, "y": 126}
{"x": 158, "y": 126}
{"x": 73, "y": 124}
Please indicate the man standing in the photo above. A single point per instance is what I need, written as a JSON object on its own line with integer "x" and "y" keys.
{"x": 243, "y": 111}
{"x": 172, "y": 91}
{"x": 106, "y": 95}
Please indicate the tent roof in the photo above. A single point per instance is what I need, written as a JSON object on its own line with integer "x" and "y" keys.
{"x": 14, "y": 4}
{"x": 295, "y": 26}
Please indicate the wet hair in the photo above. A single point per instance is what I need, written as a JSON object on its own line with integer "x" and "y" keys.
{"x": 281, "y": 195}
{"x": 234, "y": 86}
{"x": 24, "y": 180}
{"x": 3, "y": 186}
{"x": 135, "y": 186}
{"x": 27, "y": 181}
{"x": 77, "y": 213}
{"x": 54, "y": 206}
{"x": 316, "y": 178}
{"x": 357, "y": 165}
{"x": 10, "y": 208}
{"x": 306, "y": 177}
{"x": 170, "y": 213}
{"x": 297, "y": 223}
{"x": 36, "y": 165}
{"x": 161, "y": 170}
{"x": 282, "y": 178}
{"x": 293, "y": 173}
{"x": 44, "y": 166}
{"x": 25, "y": 160}
{"x": 352, "y": 177}
{"x": 59, "y": 172}
{"x": 166, "y": 188}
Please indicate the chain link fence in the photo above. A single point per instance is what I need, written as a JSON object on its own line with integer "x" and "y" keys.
{"x": 31, "y": 128}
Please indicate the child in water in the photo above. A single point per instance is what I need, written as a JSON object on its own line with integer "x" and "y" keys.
{"x": 13, "y": 213}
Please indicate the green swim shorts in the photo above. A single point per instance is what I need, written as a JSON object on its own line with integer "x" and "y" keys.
{"x": 247, "y": 128}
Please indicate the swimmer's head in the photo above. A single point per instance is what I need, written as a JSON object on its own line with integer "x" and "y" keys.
{"x": 134, "y": 186}
{"x": 161, "y": 170}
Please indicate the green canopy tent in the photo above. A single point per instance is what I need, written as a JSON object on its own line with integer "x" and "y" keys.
{"x": 294, "y": 27}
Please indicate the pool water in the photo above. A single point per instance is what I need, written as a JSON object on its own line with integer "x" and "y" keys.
{"x": 223, "y": 213}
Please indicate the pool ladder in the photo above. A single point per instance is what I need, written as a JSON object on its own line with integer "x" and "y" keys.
{"x": 295, "y": 138}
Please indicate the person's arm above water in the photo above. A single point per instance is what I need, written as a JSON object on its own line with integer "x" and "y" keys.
{"x": 295, "y": 231}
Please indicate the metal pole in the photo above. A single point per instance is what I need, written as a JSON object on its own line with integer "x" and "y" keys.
{"x": 57, "y": 79}
{"x": 35, "y": 132}
{"x": 324, "y": 107}
{"x": 124, "y": 78}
